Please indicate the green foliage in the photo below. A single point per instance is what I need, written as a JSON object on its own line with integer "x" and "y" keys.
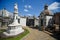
{"x": 2, "y": 30}
{"x": 18, "y": 37}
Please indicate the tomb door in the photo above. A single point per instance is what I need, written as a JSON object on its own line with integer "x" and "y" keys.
{"x": 41, "y": 22}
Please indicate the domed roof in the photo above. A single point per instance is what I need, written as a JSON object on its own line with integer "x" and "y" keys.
{"x": 46, "y": 11}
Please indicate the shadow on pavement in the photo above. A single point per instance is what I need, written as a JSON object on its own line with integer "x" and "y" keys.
{"x": 34, "y": 27}
{"x": 56, "y": 35}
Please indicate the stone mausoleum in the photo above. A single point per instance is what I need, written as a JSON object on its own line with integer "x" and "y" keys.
{"x": 45, "y": 18}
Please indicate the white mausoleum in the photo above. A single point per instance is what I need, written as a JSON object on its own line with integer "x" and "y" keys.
{"x": 45, "y": 18}
{"x": 9, "y": 16}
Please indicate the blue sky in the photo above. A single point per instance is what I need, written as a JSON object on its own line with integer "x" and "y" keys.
{"x": 27, "y": 7}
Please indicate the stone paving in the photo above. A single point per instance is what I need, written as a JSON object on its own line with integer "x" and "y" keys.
{"x": 35, "y": 34}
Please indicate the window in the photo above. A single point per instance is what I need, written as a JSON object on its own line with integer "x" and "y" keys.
{"x": 16, "y": 17}
{"x": 41, "y": 22}
{"x": 18, "y": 20}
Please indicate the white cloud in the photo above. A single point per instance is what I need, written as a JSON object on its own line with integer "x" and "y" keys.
{"x": 26, "y": 10}
{"x": 28, "y": 6}
{"x": 29, "y": 15}
{"x": 54, "y": 6}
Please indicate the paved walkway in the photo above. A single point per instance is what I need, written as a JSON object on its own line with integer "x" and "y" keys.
{"x": 35, "y": 34}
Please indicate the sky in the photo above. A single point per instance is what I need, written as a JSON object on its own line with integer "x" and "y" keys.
{"x": 30, "y": 7}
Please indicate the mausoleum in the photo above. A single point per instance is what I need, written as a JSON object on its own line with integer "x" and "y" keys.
{"x": 45, "y": 18}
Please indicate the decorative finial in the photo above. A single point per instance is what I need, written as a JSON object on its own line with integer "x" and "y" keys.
{"x": 46, "y": 7}
{"x": 15, "y": 6}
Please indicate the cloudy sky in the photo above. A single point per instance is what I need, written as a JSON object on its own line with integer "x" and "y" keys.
{"x": 30, "y": 7}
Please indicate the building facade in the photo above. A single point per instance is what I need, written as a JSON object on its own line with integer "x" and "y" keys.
{"x": 4, "y": 17}
{"x": 32, "y": 21}
{"x": 56, "y": 20}
{"x": 23, "y": 21}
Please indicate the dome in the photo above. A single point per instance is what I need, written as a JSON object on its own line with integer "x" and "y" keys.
{"x": 47, "y": 12}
